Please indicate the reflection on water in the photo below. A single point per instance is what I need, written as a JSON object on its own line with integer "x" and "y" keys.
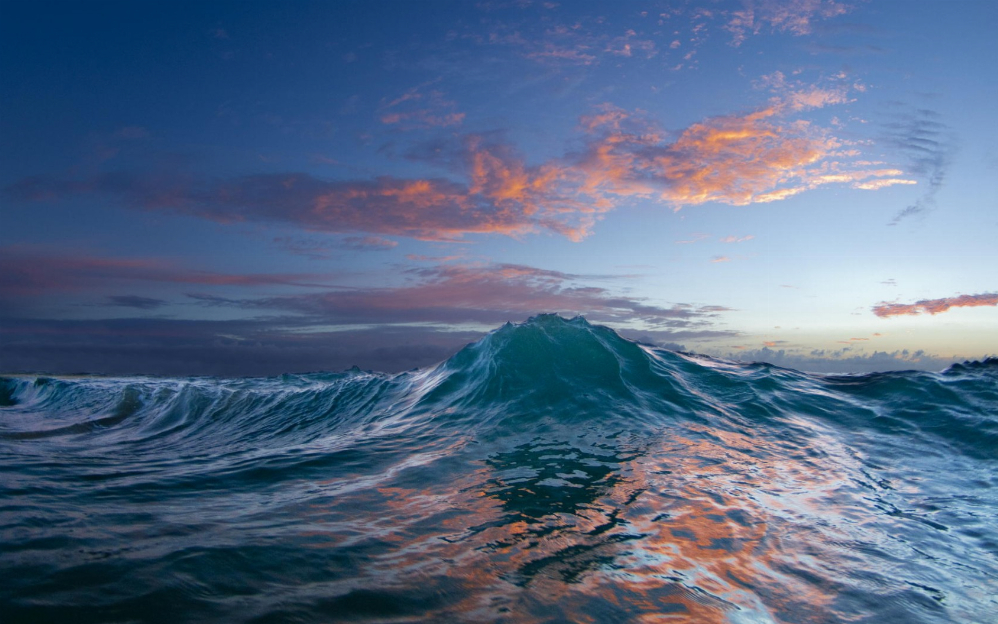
{"x": 562, "y": 509}
{"x": 600, "y": 530}
{"x": 552, "y": 472}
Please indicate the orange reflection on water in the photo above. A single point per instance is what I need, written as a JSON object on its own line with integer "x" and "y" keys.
{"x": 733, "y": 512}
{"x": 705, "y": 527}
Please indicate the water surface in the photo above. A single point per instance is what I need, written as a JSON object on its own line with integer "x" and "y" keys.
{"x": 551, "y": 472}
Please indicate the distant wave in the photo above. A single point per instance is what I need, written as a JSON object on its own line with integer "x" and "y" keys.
{"x": 551, "y": 471}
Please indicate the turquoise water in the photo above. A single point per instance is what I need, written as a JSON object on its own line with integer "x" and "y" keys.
{"x": 551, "y": 472}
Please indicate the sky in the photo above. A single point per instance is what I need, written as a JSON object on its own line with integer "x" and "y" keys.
{"x": 257, "y": 188}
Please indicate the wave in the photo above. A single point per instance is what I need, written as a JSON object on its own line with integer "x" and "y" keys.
{"x": 553, "y": 469}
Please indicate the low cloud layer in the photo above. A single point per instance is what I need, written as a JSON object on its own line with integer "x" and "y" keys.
{"x": 846, "y": 361}
{"x": 484, "y": 294}
{"x": 32, "y": 271}
{"x": 317, "y": 326}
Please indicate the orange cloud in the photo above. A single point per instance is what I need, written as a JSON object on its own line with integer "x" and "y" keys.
{"x": 935, "y": 306}
{"x": 755, "y": 157}
{"x": 734, "y": 160}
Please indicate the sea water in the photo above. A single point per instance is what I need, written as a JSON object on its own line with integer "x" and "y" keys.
{"x": 551, "y": 472}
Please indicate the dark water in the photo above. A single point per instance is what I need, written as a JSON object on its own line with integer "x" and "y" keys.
{"x": 552, "y": 472}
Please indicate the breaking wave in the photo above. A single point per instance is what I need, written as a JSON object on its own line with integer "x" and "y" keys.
{"x": 552, "y": 471}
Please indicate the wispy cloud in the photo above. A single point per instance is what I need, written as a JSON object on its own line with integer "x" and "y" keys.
{"x": 431, "y": 209}
{"x": 875, "y": 185}
{"x": 134, "y": 301}
{"x": 794, "y": 95}
{"x": 928, "y": 144}
{"x": 440, "y": 297}
{"x": 577, "y": 42}
{"x": 488, "y": 294}
{"x": 696, "y": 237}
{"x": 755, "y": 157}
{"x": 852, "y": 340}
{"x": 796, "y": 17}
{"x": 267, "y": 346}
{"x": 737, "y": 239}
{"x": 421, "y": 107}
{"x": 369, "y": 243}
{"x": 32, "y": 271}
{"x": 310, "y": 248}
{"x": 935, "y": 306}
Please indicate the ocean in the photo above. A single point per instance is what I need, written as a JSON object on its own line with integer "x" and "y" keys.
{"x": 550, "y": 472}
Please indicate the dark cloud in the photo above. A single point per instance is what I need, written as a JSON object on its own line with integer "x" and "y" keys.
{"x": 311, "y": 329}
{"x": 310, "y": 248}
{"x": 487, "y": 294}
{"x": 502, "y": 195}
{"x": 134, "y": 301}
{"x": 30, "y": 271}
{"x": 442, "y": 293}
{"x": 928, "y": 145}
{"x": 368, "y": 243}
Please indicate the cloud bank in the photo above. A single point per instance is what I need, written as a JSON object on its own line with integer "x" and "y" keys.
{"x": 755, "y": 157}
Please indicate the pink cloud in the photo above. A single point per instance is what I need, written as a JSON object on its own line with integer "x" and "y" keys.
{"x": 737, "y": 239}
{"x": 487, "y": 293}
{"x": 815, "y": 97}
{"x": 935, "y": 306}
{"x": 417, "y": 108}
{"x": 791, "y": 16}
{"x": 423, "y": 118}
{"x": 755, "y": 157}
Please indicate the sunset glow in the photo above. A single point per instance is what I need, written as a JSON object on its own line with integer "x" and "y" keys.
{"x": 808, "y": 182}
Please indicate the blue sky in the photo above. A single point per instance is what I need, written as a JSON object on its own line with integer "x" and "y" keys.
{"x": 254, "y": 188}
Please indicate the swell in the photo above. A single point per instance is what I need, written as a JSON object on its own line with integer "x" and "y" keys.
{"x": 552, "y": 471}
{"x": 547, "y": 371}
